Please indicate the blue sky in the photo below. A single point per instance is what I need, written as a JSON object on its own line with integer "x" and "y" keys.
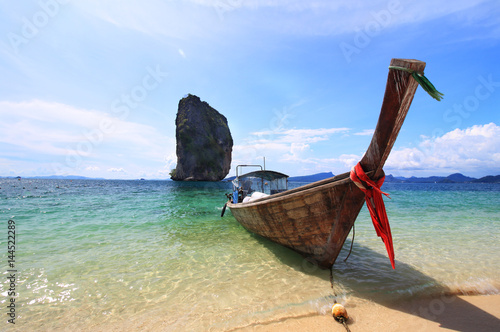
{"x": 91, "y": 87}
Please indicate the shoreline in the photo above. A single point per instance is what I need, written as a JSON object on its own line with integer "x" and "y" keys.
{"x": 442, "y": 313}
{"x": 466, "y": 313}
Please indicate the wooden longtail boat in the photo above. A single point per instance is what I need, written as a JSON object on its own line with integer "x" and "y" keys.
{"x": 315, "y": 219}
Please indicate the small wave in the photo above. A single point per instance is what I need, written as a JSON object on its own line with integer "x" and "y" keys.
{"x": 477, "y": 286}
{"x": 270, "y": 321}
{"x": 474, "y": 287}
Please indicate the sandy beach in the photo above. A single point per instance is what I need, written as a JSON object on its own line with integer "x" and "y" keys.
{"x": 454, "y": 313}
{"x": 465, "y": 313}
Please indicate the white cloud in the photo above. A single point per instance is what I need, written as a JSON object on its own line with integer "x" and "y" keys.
{"x": 365, "y": 132}
{"x": 326, "y": 17}
{"x": 154, "y": 17}
{"x": 49, "y": 127}
{"x": 74, "y": 140}
{"x": 474, "y": 150}
{"x": 338, "y": 165}
{"x": 348, "y": 160}
{"x": 297, "y": 135}
{"x": 322, "y": 17}
{"x": 284, "y": 146}
{"x": 292, "y": 144}
{"x": 170, "y": 161}
{"x": 116, "y": 170}
{"x": 297, "y": 150}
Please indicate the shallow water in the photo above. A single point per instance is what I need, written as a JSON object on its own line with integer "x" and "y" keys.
{"x": 156, "y": 255}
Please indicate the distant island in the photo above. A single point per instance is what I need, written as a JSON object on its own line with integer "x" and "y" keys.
{"x": 53, "y": 177}
{"x": 453, "y": 178}
{"x": 311, "y": 178}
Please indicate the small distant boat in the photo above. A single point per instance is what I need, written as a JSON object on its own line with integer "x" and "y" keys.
{"x": 315, "y": 219}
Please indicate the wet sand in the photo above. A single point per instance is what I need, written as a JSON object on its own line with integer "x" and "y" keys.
{"x": 466, "y": 313}
{"x": 446, "y": 313}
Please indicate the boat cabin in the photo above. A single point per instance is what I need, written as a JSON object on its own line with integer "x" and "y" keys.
{"x": 257, "y": 184}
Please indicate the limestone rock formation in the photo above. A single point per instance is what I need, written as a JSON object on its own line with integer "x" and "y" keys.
{"x": 204, "y": 142}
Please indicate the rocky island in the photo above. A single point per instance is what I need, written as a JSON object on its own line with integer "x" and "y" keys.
{"x": 204, "y": 142}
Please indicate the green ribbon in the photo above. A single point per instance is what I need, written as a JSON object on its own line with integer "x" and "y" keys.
{"x": 423, "y": 81}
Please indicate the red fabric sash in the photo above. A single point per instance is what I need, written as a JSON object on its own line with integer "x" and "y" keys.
{"x": 375, "y": 203}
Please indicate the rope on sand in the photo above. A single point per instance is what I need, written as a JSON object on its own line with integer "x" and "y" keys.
{"x": 338, "y": 311}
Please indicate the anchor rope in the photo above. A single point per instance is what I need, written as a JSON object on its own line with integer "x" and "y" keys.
{"x": 352, "y": 242}
{"x": 341, "y": 320}
{"x": 331, "y": 283}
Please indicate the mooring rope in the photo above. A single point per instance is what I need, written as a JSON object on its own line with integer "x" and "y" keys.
{"x": 340, "y": 319}
{"x": 352, "y": 242}
{"x": 343, "y": 321}
{"x": 331, "y": 282}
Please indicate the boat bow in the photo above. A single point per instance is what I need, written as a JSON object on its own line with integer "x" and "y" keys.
{"x": 316, "y": 219}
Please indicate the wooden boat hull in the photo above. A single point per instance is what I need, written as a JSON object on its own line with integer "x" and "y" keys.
{"x": 314, "y": 222}
{"x": 316, "y": 219}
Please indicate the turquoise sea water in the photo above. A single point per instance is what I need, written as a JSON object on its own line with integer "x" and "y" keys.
{"x": 156, "y": 255}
